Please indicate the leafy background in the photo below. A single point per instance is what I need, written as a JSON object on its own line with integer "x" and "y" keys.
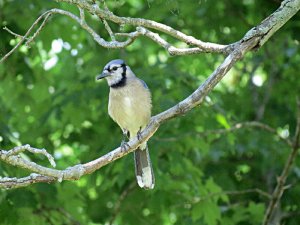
{"x": 49, "y": 99}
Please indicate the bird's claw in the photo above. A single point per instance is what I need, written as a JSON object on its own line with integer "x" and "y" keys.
{"x": 126, "y": 135}
{"x": 124, "y": 145}
{"x": 139, "y": 134}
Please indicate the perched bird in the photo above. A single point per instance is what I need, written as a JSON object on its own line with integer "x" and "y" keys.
{"x": 130, "y": 107}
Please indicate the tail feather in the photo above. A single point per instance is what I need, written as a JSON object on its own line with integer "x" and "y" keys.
{"x": 143, "y": 168}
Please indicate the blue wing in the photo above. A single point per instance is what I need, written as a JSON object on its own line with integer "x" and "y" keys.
{"x": 144, "y": 84}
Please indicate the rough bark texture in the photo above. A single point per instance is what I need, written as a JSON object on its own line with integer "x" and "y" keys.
{"x": 253, "y": 39}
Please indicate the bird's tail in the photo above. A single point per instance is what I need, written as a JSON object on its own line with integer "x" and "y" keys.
{"x": 143, "y": 167}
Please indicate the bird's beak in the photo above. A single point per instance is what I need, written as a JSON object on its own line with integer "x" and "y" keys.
{"x": 103, "y": 75}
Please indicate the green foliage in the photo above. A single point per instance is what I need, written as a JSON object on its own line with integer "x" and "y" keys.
{"x": 60, "y": 107}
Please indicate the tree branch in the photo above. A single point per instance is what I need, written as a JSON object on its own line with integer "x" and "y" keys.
{"x": 38, "y": 30}
{"x": 24, "y": 37}
{"x": 118, "y": 203}
{"x": 250, "y": 124}
{"x": 108, "y": 15}
{"x": 242, "y": 192}
{"x": 13, "y": 33}
{"x": 281, "y": 180}
{"x": 112, "y": 44}
{"x": 10, "y": 183}
{"x": 19, "y": 149}
{"x": 237, "y": 51}
{"x": 75, "y": 172}
{"x": 83, "y": 24}
{"x": 275, "y": 21}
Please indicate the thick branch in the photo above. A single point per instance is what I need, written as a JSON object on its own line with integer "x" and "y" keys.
{"x": 195, "y": 99}
{"x": 265, "y": 30}
{"x": 275, "y": 21}
{"x": 190, "y": 102}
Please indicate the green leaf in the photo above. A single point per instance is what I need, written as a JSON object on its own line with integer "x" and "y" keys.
{"x": 256, "y": 211}
{"x": 208, "y": 211}
{"x": 222, "y": 120}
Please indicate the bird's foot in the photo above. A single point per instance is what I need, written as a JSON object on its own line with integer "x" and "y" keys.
{"x": 139, "y": 134}
{"x": 126, "y": 135}
{"x": 124, "y": 145}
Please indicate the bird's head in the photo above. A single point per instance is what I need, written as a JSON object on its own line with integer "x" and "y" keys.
{"x": 114, "y": 72}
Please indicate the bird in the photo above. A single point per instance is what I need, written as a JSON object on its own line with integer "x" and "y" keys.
{"x": 130, "y": 106}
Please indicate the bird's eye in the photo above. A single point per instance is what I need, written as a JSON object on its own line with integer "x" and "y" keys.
{"x": 114, "y": 68}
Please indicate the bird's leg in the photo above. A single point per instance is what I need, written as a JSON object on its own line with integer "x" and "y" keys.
{"x": 139, "y": 136}
{"x": 126, "y": 136}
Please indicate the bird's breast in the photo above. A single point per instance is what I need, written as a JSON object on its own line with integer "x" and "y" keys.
{"x": 130, "y": 106}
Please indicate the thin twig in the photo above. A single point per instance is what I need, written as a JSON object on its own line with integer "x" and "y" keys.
{"x": 251, "y": 40}
{"x": 24, "y": 37}
{"x": 280, "y": 187}
{"x": 166, "y": 45}
{"x": 28, "y": 42}
{"x": 122, "y": 197}
{"x": 265, "y": 30}
{"x": 216, "y": 194}
{"x": 97, "y": 37}
{"x": 82, "y": 15}
{"x": 181, "y": 108}
{"x": 108, "y": 15}
{"x": 104, "y": 5}
{"x": 106, "y": 25}
{"x": 68, "y": 216}
{"x": 250, "y": 124}
{"x": 13, "y": 33}
{"x": 17, "y": 150}
{"x": 109, "y": 30}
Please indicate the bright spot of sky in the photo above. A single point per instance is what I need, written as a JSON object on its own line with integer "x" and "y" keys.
{"x": 284, "y": 133}
{"x": 15, "y": 134}
{"x": 67, "y": 45}
{"x": 257, "y": 80}
{"x": 57, "y": 45}
{"x": 74, "y": 52}
{"x": 50, "y": 62}
{"x": 51, "y": 89}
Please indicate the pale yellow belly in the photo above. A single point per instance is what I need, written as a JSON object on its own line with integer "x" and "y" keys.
{"x": 131, "y": 110}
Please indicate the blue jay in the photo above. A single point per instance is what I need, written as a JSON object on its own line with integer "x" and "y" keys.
{"x": 130, "y": 107}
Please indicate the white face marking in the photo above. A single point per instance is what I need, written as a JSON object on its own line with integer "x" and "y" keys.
{"x": 115, "y": 76}
{"x": 114, "y": 79}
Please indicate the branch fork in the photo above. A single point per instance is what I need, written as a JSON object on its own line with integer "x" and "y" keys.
{"x": 253, "y": 39}
{"x": 5, "y": 155}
